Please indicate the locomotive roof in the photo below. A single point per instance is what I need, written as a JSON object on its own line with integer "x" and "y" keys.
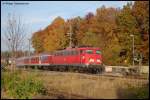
{"x": 83, "y": 48}
{"x": 89, "y": 48}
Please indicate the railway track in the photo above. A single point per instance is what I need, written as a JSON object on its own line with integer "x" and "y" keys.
{"x": 54, "y": 94}
{"x": 109, "y": 75}
{"x": 124, "y": 77}
{"x": 67, "y": 95}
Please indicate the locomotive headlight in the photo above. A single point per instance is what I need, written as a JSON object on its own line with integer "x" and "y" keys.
{"x": 83, "y": 57}
{"x": 98, "y": 60}
{"x": 91, "y": 60}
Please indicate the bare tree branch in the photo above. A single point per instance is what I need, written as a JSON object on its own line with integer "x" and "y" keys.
{"x": 14, "y": 34}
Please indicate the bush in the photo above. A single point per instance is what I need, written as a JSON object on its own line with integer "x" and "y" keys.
{"x": 139, "y": 92}
{"x": 21, "y": 88}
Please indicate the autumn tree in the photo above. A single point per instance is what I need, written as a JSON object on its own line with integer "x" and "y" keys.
{"x": 85, "y": 30}
{"x": 55, "y": 35}
{"x": 37, "y": 41}
{"x": 141, "y": 12}
{"x": 127, "y": 26}
{"x": 74, "y": 27}
{"x": 105, "y": 26}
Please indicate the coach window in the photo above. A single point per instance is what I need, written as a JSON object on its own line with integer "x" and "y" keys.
{"x": 42, "y": 58}
{"x": 89, "y": 51}
{"x": 67, "y": 53}
{"x": 76, "y": 52}
{"x": 64, "y": 53}
{"x": 73, "y": 52}
{"x": 45, "y": 57}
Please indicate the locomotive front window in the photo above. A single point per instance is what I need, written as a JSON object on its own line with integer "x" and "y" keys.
{"x": 89, "y": 51}
{"x": 98, "y": 52}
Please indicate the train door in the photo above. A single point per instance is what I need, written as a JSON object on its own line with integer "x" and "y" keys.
{"x": 81, "y": 56}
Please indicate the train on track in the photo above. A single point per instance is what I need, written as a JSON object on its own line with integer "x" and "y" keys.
{"x": 84, "y": 59}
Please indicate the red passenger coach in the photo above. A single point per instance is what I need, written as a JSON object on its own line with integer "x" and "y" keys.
{"x": 34, "y": 60}
{"x": 45, "y": 59}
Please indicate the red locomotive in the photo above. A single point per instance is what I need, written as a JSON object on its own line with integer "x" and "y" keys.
{"x": 86, "y": 58}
